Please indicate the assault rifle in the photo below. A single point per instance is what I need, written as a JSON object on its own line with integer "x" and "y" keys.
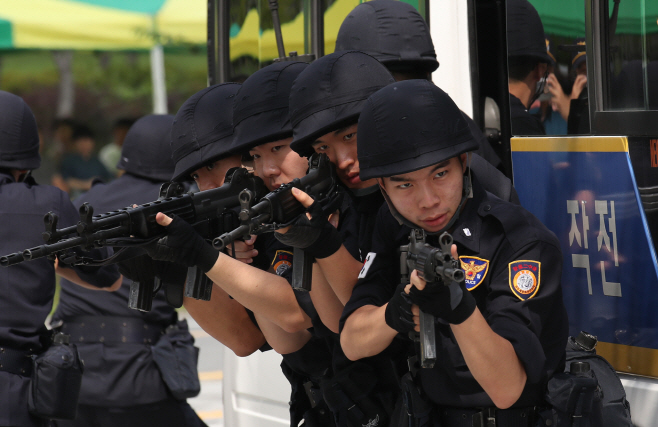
{"x": 433, "y": 265}
{"x": 211, "y": 212}
{"x": 280, "y": 208}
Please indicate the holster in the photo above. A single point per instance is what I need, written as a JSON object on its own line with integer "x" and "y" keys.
{"x": 177, "y": 359}
{"x": 56, "y": 380}
{"x": 351, "y": 394}
{"x": 416, "y": 409}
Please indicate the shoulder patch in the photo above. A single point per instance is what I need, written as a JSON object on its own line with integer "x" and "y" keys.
{"x": 524, "y": 278}
{"x": 475, "y": 270}
{"x": 366, "y": 264}
{"x": 282, "y": 261}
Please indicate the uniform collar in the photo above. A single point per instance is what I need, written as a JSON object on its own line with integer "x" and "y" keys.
{"x": 467, "y": 230}
{"x": 5, "y": 178}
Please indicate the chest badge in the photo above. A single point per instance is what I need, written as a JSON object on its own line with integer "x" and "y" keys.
{"x": 524, "y": 278}
{"x": 282, "y": 261}
{"x": 475, "y": 270}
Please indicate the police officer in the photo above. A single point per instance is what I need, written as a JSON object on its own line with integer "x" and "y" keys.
{"x": 122, "y": 385}
{"x": 28, "y": 288}
{"x": 503, "y": 337}
{"x": 325, "y": 103}
{"x": 528, "y": 60}
{"x": 262, "y": 128}
{"x": 398, "y": 36}
{"x": 201, "y": 137}
{"x": 374, "y": 28}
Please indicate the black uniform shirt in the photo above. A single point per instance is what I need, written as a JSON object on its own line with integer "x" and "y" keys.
{"x": 510, "y": 242}
{"x": 357, "y": 222}
{"x": 116, "y": 374}
{"x": 27, "y": 288}
{"x": 524, "y": 123}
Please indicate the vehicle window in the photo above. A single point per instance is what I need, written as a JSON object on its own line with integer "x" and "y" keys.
{"x": 547, "y": 67}
{"x": 632, "y": 54}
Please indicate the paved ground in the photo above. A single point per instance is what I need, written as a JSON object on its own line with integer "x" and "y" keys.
{"x": 208, "y": 404}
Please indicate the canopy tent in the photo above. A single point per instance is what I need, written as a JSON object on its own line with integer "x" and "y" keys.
{"x": 567, "y": 17}
{"x": 105, "y": 25}
{"x": 101, "y": 24}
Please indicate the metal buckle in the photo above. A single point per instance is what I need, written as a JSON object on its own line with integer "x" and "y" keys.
{"x": 485, "y": 418}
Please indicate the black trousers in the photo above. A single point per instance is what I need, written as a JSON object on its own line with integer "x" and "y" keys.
{"x": 166, "y": 413}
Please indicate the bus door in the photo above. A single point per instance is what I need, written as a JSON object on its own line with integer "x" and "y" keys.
{"x": 593, "y": 180}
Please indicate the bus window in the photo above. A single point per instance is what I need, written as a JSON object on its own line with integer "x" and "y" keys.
{"x": 632, "y": 53}
{"x": 308, "y": 27}
{"x": 547, "y": 67}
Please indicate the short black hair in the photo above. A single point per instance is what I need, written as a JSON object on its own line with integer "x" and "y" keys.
{"x": 82, "y": 131}
{"x": 521, "y": 66}
{"x": 123, "y": 122}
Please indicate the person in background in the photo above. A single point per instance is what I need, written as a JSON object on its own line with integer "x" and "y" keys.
{"x": 122, "y": 385}
{"x": 28, "y": 288}
{"x": 528, "y": 61}
{"x": 81, "y": 167}
{"x": 110, "y": 154}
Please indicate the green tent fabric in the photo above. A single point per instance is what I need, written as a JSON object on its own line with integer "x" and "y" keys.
{"x": 567, "y": 17}
{"x": 101, "y": 24}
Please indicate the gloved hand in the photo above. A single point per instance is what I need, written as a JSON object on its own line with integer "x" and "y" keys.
{"x": 138, "y": 269}
{"x": 144, "y": 267}
{"x": 398, "y": 311}
{"x": 435, "y": 300}
{"x": 183, "y": 245}
{"x": 316, "y": 235}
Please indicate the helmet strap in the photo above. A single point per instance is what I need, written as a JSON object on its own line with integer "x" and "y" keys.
{"x": 360, "y": 192}
{"x": 539, "y": 87}
{"x": 467, "y": 193}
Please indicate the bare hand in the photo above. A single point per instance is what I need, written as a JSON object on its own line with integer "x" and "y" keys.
{"x": 578, "y": 86}
{"x": 244, "y": 251}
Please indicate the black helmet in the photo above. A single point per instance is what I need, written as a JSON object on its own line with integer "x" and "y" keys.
{"x": 525, "y": 32}
{"x": 391, "y": 31}
{"x": 410, "y": 125}
{"x": 260, "y": 111}
{"x": 19, "y": 137}
{"x": 146, "y": 151}
{"x": 330, "y": 93}
{"x": 203, "y": 128}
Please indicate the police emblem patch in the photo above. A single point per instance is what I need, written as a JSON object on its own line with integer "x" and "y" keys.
{"x": 524, "y": 278}
{"x": 282, "y": 262}
{"x": 475, "y": 270}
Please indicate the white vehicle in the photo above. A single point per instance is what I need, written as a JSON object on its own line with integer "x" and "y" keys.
{"x": 597, "y": 189}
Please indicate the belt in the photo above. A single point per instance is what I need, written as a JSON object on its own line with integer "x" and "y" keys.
{"x": 487, "y": 417}
{"x": 15, "y": 361}
{"x": 111, "y": 329}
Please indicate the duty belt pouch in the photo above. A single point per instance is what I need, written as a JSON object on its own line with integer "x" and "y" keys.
{"x": 416, "y": 409}
{"x": 352, "y": 395}
{"x": 56, "y": 380}
{"x": 177, "y": 358}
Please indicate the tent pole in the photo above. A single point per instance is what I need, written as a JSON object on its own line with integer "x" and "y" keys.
{"x": 158, "y": 80}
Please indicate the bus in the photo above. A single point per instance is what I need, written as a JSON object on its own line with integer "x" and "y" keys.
{"x": 592, "y": 180}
